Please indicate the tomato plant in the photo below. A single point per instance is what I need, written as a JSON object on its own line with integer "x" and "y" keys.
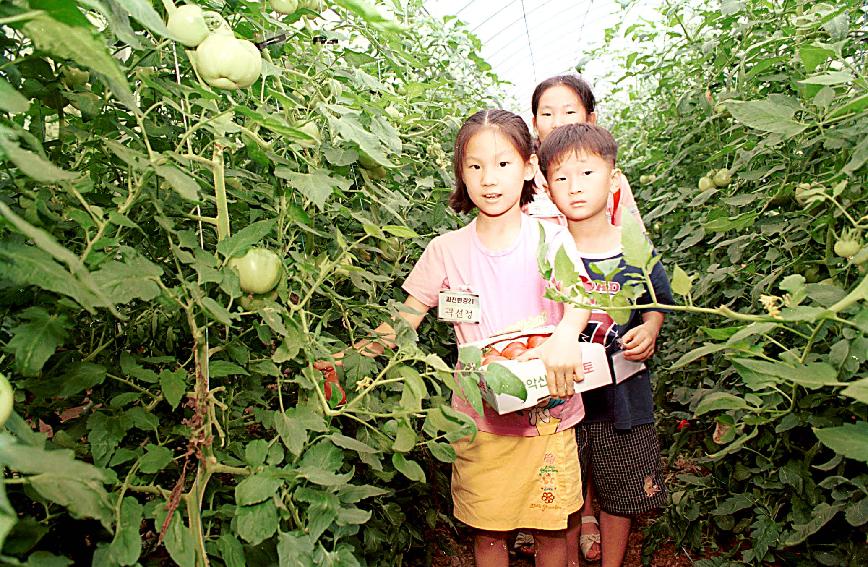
{"x": 160, "y": 414}
{"x": 766, "y": 357}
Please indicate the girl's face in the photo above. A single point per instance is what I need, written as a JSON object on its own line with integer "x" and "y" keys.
{"x": 559, "y": 105}
{"x": 494, "y": 172}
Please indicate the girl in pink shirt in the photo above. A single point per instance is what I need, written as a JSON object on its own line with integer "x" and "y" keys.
{"x": 513, "y": 474}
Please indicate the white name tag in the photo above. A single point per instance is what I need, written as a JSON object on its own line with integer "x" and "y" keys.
{"x": 459, "y": 307}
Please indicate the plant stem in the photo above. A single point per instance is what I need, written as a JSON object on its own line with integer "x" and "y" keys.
{"x": 220, "y": 193}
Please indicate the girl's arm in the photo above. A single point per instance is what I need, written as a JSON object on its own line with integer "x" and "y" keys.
{"x": 561, "y": 353}
{"x": 385, "y": 334}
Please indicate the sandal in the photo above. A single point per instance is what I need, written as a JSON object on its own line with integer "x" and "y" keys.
{"x": 587, "y": 541}
{"x": 523, "y": 544}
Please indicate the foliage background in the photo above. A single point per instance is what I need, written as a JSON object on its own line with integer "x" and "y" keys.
{"x": 771, "y": 464}
{"x": 143, "y": 375}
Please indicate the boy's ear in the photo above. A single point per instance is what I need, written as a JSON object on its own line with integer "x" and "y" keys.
{"x": 615, "y": 181}
{"x": 530, "y": 167}
{"x": 592, "y": 118}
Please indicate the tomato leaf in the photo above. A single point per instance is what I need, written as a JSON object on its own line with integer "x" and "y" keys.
{"x": 36, "y": 340}
{"x": 78, "y": 44}
{"x": 849, "y": 439}
{"x": 408, "y": 467}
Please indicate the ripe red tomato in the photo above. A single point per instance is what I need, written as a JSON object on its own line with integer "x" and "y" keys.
{"x": 513, "y": 350}
{"x": 490, "y": 350}
{"x": 331, "y": 380}
{"x": 492, "y": 357}
{"x": 535, "y": 340}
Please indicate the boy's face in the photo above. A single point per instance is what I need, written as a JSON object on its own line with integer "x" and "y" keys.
{"x": 579, "y": 185}
{"x": 494, "y": 172}
{"x": 559, "y": 105}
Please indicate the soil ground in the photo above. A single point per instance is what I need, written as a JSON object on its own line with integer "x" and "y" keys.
{"x": 457, "y": 551}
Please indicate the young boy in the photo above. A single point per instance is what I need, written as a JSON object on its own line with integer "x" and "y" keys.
{"x": 617, "y": 438}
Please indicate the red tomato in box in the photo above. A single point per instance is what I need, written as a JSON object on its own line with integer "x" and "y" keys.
{"x": 490, "y": 350}
{"x": 513, "y": 350}
{"x": 492, "y": 357}
{"x": 535, "y": 340}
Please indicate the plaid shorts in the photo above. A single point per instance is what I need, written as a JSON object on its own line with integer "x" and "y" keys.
{"x": 625, "y": 467}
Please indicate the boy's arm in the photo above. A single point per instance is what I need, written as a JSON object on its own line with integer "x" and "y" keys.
{"x": 639, "y": 342}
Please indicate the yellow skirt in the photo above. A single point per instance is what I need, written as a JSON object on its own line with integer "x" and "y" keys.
{"x": 503, "y": 483}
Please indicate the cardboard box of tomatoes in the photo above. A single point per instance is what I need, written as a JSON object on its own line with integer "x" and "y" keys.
{"x": 502, "y": 349}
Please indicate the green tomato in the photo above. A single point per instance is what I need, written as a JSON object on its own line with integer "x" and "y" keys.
{"x": 705, "y": 184}
{"x": 259, "y": 270}
{"x": 74, "y": 77}
{"x": 393, "y": 113}
{"x": 187, "y": 25}
{"x": 227, "y": 62}
{"x": 643, "y": 179}
{"x": 312, "y": 130}
{"x": 848, "y": 245}
{"x": 722, "y": 178}
{"x": 313, "y": 5}
{"x": 284, "y": 6}
{"x": 5, "y": 399}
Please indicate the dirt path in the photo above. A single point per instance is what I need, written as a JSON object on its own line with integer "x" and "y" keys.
{"x": 452, "y": 551}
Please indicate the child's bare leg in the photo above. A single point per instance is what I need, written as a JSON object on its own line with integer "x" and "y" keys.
{"x": 489, "y": 549}
{"x": 572, "y": 536}
{"x": 614, "y": 531}
{"x": 551, "y": 548}
{"x": 590, "y": 528}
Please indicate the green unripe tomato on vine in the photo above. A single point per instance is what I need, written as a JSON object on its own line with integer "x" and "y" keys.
{"x": 284, "y": 6}
{"x": 705, "y": 183}
{"x": 312, "y": 130}
{"x": 313, "y": 5}
{"x": 74, "y": 77}
{"x": 848, "y": 245}
{"x": 226, "y": 62}
{"x": 722, "y": 178}
{"x": 5, "y": 399}
{"x": 258, "y": 270}
{"x": 187, "y": 24}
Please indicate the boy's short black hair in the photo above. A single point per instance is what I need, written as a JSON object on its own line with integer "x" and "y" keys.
{"x": 582, "y": 138}
{"x": 574, "y": 82}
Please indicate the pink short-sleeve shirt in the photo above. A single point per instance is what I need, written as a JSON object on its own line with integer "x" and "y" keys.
{"x": 510, "y": 289}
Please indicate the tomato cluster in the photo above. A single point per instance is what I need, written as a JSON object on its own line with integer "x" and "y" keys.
{"x": 512, "y": 350}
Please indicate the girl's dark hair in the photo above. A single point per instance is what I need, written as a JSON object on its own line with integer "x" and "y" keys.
{"x": 513, "y": 127}
{"x": 582, "y": 138}
{"x": 574, "y": 82}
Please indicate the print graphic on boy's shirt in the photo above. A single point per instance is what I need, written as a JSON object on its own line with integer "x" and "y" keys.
{"x": 601, "y": 328}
